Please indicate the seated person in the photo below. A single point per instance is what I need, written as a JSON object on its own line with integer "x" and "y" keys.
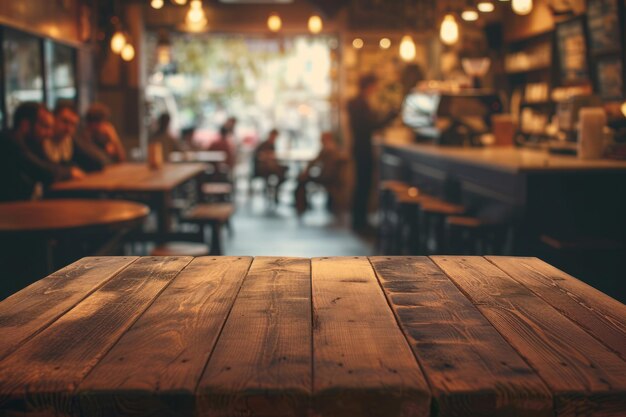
{"x": 163, "y": 136}
{"x": 324, "y": 170}
{"x": 265, "y": 163}
{"x": 20, "y": 169}
{"x": 101, "y": 133}
{"x": 71, "y": 156}
{"x": 223, "y": 144}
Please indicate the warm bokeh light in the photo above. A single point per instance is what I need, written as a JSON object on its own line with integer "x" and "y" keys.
{"x": 180, "y": 2}
{"x": 485, "y": 7}
{"x": 407, "y": 48}
{"x": 385, "y": 43}
{"x": 274, "y": 23}
{"x": 315, "y": 24}
{"x": 522, "y": 7}
{"x": 624, "y": 108}
{"x": 128, "y": 52}
{"x": 196, "y": 19}
{"x": 449, "y": 32}
{"x": 358, "y": 43}
{"x": 118, "y": 40}
{"x": 469, "y": 15}
{"x": 156, "y": 4}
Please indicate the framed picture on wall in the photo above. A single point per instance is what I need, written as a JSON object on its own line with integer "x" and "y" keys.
{"x": 604, "y": 26}
{"x": 571, "y": 46}
{"x": 609, "y": 76}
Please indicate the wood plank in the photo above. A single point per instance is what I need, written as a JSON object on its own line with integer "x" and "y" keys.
{"x": 261, "y": 364}
{"x": 363, "y": 365}
{"x": 32, "y": 309}
{"x": 600, "y": 315}
{"x": 586, "y": 378}
{"x": 41, "y": 375}
{"x": 155, "y": 367}
{"x": 471, "y": 369}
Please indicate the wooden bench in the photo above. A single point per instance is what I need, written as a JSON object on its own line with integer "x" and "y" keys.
{"x": 217, "y": 191}
{"x": 214, "y": 215}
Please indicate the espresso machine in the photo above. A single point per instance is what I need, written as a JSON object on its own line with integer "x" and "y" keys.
{"x": 456, "y": 118}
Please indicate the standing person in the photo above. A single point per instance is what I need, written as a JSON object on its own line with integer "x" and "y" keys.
{"x": 265, "y": 163}
{"x": 100, "y": 132}
{"x": 20, "y": 169}
{"x": 363, "y": 123}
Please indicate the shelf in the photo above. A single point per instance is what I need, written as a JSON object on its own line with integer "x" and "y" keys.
{"x": 546, "y": 67}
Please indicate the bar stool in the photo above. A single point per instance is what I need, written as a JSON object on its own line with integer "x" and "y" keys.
{"x": 388, "y": 215}
{"x": 433, "y": 214}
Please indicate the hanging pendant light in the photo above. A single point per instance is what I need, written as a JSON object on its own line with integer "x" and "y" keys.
{"x": 274, "y": 23}
{"x": 449, "y": 32}
{"x": 315, "y": 24}
{"x": 385, "y": 43}
{"x": 180, "y": 2}
{"x": 522, "y": 7}
{"x": 118, "y": 41}
{"x": 156, "y": 4}
{"x": 358, "y": 43}
{"x": 469, "y": 13}
{"x": 485, "y": 6}
{"x": 164, "y": 49}
{"x": 407, "y": 48}
{"x": 623, "y": 108}
{"x": 196, "y": 19}
{"x": 128, "y": 52}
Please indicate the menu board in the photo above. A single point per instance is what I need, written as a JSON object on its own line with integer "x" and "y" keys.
{"x": 572, "y": 52}
{"x": 604, "y": 26}
{"x": 609, "y": 75}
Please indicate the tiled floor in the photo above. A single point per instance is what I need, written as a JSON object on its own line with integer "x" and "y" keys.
{"x": 259, "y": 229}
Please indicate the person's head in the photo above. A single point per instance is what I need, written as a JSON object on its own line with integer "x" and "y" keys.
{"x": 272, "y": 136}
{"x": 328, "y": 141}
{"x": 163, "y": 122}
{"x": 97, "y": 115}
{"x": 368, "y": 84}
{"x": 230, "y": 124}
{"x": 65, "y": 120}
{"x": 33, "y": 121}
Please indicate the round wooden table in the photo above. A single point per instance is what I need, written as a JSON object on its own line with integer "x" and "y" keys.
{"x": 53, "y": 216}
{"x": 37, "y": 237}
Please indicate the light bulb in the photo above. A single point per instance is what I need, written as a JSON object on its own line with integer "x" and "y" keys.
{"x": 469, "y": 15}
{"x": 407, "y": 48}
{"x": 486, "y": 6}
{"x": 449, "y": 32}
{"x": 624, "y": 108}
{"x": 522, "y": 7}
{"x": 358, "y": 43}
{"x": 195, "y": 4}
{"x": 164, "y": 54}
{"x": 196, "y": 19}
{"x": 118, "y": 40}
{"x": 385, "y": 43}
{"x": 156, "y": 4}
{"x": 128, "y": 52}
{"x": 180, "y": 2}
{"x": 274, "y": 23}
{"x": 315, "y": 24}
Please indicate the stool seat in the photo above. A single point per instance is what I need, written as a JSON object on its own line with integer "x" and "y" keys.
{"x": 437, "y": 206}
{"x": 180, "y": 249}
{"x": 465, "y": 221}
{"x": 217, "y": 188}
{"x": 210, "y": 213}
{"x": 394, "y": 185}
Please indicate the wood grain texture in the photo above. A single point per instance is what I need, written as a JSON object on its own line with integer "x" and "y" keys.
{"x": 261, "y": 365}
{"x": 155, "y": 367}
{"x": 471, "y": 369}
{"x": 39, "y": 378}
{"x": 585, "y": 377}
{"x": 363, "y": 364}
{"x": 27, "y": 312}
{"x": 600, "y": 315}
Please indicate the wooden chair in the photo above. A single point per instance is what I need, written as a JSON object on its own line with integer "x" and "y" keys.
{"x": 473, "y": 236}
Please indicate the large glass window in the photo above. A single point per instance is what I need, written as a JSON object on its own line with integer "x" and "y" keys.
{"x": 23, "y": 70}
{"x": 60, "y": 73}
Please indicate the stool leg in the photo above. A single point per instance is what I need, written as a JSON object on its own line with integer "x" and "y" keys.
{"x": 216, "y": 239}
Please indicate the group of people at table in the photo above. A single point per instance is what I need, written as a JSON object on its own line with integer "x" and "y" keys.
{"x": 44, "y": 146}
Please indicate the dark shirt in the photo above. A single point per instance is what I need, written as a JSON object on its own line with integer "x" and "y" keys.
{"x": 20, "y": 169}
{"x": 363, "y": 123}
{"x": 87, "y": 158}
{"x": 266, "y": 148}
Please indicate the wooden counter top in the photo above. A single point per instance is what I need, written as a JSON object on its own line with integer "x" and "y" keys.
{"x": 512, "y": 160}
{"x": 325, "y": 337}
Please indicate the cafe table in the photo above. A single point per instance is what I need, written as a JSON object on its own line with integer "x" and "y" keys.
{"x": 137, "y": 182}
{"x": 272, "y": 336}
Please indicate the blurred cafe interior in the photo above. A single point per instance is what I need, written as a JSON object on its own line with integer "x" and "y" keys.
{"x": 313, "y": 128}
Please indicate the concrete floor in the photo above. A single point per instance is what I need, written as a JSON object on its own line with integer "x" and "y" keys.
{"x": 264, "y": 229}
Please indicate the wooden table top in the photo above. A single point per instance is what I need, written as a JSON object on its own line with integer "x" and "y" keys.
{"x": 134, "y": 177}
{"x": 514, "y": 160}
{"x": 380, "y": 336}
{"x": 67, "y": 214}
{"x": 197, "y": 156}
